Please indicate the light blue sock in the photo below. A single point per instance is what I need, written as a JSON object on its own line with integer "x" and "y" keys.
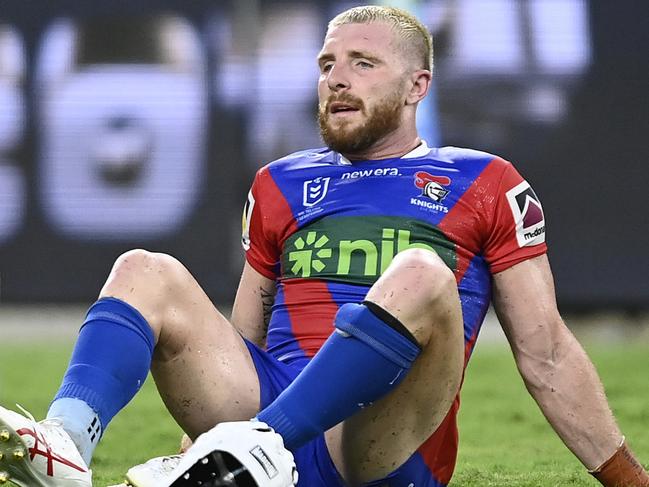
{"x": 80, "y": 421}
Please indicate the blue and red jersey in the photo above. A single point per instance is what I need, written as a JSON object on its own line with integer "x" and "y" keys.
{"x": 325, "y": 229}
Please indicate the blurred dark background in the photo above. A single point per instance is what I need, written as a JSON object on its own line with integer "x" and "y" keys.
{"x": 141, "y": 124}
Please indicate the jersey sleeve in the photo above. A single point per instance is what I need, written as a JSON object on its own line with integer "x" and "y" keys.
{"x": 517, "y": 229}
{"x": 257, "y": 238}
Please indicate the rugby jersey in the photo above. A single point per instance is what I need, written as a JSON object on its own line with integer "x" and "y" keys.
{"x": 325, "y": 229}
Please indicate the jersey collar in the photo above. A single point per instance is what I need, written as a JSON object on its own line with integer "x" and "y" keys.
{"x": 420, "y": 151}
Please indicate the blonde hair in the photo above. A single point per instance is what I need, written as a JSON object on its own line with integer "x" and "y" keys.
{"x": 416, "y": 40}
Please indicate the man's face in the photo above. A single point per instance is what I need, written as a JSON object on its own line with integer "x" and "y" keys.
{"x": 362, "y": 86}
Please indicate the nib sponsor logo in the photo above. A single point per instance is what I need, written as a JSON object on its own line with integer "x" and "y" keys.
{"x": 309, "y": 254}
{"x": 528, "y": 214}
{"x": 315, "y": 254}
{"x": 358, "y": 249}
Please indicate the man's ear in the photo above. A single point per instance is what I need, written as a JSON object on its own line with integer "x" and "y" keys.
{"x": 420, "y": 80}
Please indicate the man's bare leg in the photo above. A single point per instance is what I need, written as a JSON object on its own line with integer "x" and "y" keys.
{"x": 201, "y": 365}
{"x": 420, "y": 291}
{"x": 151, "y": 313}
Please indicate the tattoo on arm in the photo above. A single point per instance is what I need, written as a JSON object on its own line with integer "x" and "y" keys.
{"x": 267, "y": 300}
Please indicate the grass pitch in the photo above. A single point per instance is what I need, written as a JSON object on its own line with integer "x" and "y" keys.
{"x": 504, "y": 439}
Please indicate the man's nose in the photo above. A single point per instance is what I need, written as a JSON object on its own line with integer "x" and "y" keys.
{"x": 337, "y": 79}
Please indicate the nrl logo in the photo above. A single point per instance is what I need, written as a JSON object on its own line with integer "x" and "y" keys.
{"x": 315, "y": 190}
{"x": 432, "y": 186}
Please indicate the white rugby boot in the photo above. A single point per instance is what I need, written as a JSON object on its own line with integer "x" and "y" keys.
{"x": 241, "y": 454}
{"x": 237, "y": 454}
{"x": 39, "y": 454}
{"x": 154, "y": 473}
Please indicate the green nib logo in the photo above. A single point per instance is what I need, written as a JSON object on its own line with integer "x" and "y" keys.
{"x": 308, "y": 254}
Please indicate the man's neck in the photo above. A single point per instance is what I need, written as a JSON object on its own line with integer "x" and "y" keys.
{"x": 387, "y": 149}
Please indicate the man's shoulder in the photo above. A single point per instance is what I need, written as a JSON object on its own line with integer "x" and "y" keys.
{"x": 462, "y": 154}
{"x": 298, "y": 166}
{"x": 307, "y": 157}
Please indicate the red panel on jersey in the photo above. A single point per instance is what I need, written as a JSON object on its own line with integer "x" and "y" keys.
{"x": 311, "y": 310}
{"x": 470, "y": 210}
{"x": 266, "y": 238}
{"x": 479, "y": 208}
{"x": 440, "y": 450}
{"x": 502, "y": 249}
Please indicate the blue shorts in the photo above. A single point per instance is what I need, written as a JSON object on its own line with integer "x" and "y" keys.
{"x": 314, "y": 465}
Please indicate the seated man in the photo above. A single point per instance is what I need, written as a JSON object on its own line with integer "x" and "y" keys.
{"x": 370, "y": 266}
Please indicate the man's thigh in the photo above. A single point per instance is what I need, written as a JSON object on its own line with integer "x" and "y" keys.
{"x": 381, "y": 438}
{"x": 422, "y": 294}
{"x": 206, "y": 375}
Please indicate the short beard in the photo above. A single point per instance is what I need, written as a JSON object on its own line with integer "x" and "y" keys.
{"x": 383, "y": 119}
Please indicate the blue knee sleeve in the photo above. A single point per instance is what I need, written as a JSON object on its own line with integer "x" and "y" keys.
{"x": 111, "y": 358}
{"x": 359, "y": 363}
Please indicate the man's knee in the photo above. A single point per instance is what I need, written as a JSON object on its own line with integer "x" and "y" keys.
{"x": 425, "y": 274}
{"x": 140, "y": 265}
{"x": 148, "y": 281}
{"x": 420, "y": 290}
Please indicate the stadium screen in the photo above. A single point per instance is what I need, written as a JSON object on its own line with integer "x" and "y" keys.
{"x": 144, "y": 128}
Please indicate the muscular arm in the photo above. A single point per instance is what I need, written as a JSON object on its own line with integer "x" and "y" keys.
{"x": 554, "y": 366}
{"x": 252, "y": 305}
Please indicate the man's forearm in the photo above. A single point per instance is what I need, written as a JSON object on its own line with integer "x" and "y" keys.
{"x": 571, "y": 396}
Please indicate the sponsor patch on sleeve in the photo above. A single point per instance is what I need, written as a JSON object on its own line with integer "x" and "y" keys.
{"x": 245, "y": 221}
{"x": 528, "y": 215}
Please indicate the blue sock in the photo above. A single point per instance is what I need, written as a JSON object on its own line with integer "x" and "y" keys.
{"x": 111, "y": 359}
{"x": 364, "y": 359}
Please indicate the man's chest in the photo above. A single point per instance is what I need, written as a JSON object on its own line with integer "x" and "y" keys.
{"x": 348, "y": 223}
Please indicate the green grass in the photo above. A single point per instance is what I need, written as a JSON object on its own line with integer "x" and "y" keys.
{"x": 30, "y": 376}
{"x": 504, "y": 440}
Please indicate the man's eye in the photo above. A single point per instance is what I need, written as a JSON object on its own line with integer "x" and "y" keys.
{"x": 365, "y": 64}
{"x": 325, "y": 68}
